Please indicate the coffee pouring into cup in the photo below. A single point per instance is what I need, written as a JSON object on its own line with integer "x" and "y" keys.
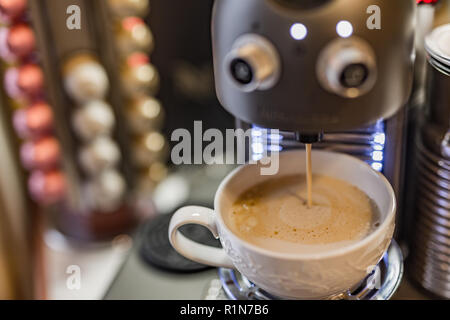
{"x": 304, "y": 271}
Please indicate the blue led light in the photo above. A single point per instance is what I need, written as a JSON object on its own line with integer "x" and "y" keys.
{"x": 380, "y": 138}
{"x": 378, "y": 166}
{"x": 275, "y": 148}
{"x": 377, "y": 156}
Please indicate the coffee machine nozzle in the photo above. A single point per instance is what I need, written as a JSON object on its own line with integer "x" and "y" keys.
{"x": 310, "y": 66}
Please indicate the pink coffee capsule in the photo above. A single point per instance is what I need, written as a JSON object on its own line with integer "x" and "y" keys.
{"x": 137, "y": 59}
{"x": 21, "y": 40}
{"x": 31, "y": 80}
{"x": 25, "y": 82}
{"x": 11, "y": 10}
{"x": 47, "y": 187}
{"x": 43, "y": 154}
{"x": 11, "y": 83}
{"x": 5, "y": 51}
{"x": 34, "y": 121}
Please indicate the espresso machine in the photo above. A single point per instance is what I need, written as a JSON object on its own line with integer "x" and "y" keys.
{"x": 319, "y": 73}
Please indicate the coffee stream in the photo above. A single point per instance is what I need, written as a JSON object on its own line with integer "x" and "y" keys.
{"x": 309, "y": 174}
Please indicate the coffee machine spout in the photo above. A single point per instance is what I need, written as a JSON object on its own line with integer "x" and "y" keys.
{"x": 308, "y": 138}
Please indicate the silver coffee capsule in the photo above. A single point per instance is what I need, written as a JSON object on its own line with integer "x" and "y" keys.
{"x": 93, "y": 119}
{"x": 106, "y": 191}
{"x": 85, "y": 79}
{"x": 102, "y": 153}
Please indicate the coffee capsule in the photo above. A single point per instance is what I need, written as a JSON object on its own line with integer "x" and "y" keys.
{"x": 85, "y": 79}
{"x": 123, "y": 8}
{"x": 10, "y": 10}
{"x": 93, "y": 119}
{"x": 139, "y": 77}
{"x": 144, "y": 113}
{"x": 149, "y": 178}
{"x": 47, "y": 187}
{"x": 105, "y": 192}
{"x": 17, "y": 42}
{"x": 132, "y": 35}
{"x": 149, "y": 148}
{"x": 31, "y": 80}
{"x": 102, "y": 153}
{"x": 25, "y": 82}
{"x": 34, "y": 121}
{"x": 42, "y": 154}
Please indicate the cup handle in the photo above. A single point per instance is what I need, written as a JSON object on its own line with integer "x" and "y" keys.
{"x": 193, "y": 250}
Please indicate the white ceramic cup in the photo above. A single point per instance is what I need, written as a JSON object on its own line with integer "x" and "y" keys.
{"x": 297, "y": 275}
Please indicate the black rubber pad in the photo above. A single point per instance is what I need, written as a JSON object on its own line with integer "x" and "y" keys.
{"x": 157, "y": 250}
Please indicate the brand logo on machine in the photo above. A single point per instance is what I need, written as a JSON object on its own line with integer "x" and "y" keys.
{"x": 213, "y": 146}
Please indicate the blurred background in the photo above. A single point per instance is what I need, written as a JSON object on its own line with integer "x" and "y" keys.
{"x": 87, "y": 109}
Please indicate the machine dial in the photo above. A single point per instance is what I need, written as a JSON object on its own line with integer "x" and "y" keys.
{"x": 253, "y": 64}
{"x": 347, "y": 67}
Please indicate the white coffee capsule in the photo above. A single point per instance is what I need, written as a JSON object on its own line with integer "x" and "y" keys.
{"x": 105, "y": 193}
{"x": 144, "y": 114}
{"x": 149, "y": 148}
{"x": 85, "y": 79}
{"x": 93, "y": 119}
{"x": 102, "y": 153}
